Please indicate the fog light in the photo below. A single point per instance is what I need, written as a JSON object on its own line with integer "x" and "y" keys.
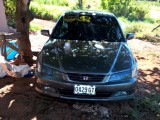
{"x": 120, "y": 93}
{"x": 50, "y": 89}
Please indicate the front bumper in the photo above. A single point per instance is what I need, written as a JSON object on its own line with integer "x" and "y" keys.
{"x": 104, "y": 91}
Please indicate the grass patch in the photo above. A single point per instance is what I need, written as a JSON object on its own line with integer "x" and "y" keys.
{"x": 149, "y": 104}
{"x": 47, "y": 12}
{"x": 70, "y": 3}
{"x": 34, "y": 27}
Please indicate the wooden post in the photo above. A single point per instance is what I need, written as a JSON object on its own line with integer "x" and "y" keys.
{"x": 23, "y": 19}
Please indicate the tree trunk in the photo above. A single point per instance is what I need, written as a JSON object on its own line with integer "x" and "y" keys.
{"x": 23, "y": 19}
{"x": 81, "y": 4}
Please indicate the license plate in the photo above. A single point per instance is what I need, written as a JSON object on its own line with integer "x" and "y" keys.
{"x": 85, "y": 89}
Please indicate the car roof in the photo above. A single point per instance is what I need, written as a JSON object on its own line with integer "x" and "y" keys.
{"x": 86, "y": 12}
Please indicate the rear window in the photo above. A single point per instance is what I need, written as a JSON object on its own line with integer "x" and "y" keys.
{"x": 84, "y": 27}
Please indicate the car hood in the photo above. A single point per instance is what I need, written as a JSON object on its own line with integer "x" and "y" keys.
{"x": 81, "y": 56}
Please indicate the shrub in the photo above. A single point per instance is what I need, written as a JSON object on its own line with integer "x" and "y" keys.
{"x": 128, "y": 8}
{"x": 138, "y": 11}
{"x": 104, "y": 4}
{"x": 120, "y": 7}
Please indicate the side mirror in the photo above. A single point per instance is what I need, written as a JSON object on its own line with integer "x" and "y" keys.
{"x": 45, "y": 32}
{"x": 129, "y": 36}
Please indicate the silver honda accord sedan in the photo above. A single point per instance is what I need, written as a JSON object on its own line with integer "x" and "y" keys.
{"x": 87, "y": 58}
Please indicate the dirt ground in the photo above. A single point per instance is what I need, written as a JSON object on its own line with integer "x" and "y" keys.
{"x": 19, "y": 100}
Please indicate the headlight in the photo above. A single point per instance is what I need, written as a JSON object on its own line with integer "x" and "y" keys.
{"x": 48, "y": 71}
{"x": 51, "y": 72}
{"x": 124, "y": 60}
{"x": 123, "y": 76}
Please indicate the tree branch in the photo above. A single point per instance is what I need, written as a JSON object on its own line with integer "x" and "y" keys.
{"x": 156, "y": 28}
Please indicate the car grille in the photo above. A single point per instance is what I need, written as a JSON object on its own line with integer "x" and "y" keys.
{"x": 69, "y": 93}
{"x": 85, "y": 77}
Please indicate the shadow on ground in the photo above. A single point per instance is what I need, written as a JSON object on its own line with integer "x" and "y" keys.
{"x": 20, "y": 101}
{"x": 149, "y": 80}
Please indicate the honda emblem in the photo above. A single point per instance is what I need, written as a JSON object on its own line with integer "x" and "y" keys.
{"x": 85, "y": 77}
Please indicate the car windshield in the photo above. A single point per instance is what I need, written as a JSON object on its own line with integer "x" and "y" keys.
{"x": 88, "y": 28}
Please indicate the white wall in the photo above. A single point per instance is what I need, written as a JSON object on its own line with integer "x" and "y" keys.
{"x": 3, "y": 21}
